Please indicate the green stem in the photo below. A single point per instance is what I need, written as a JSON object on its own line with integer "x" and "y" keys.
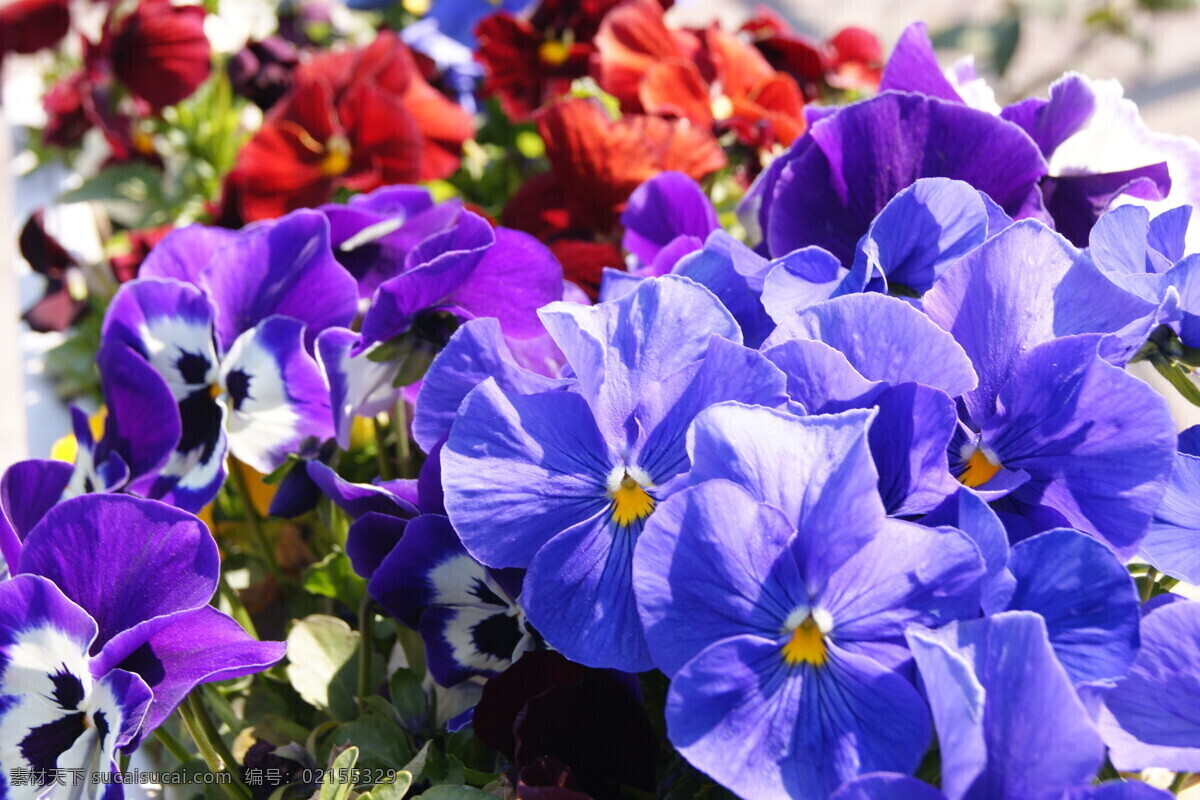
{"x": 237, "y": 606}
{"x": 222, "y": 708}
{"x": 366, "y": 627}
{"x": 173, "y": 745}
{"x": 403, "y": 451}
{"x": 1180, "y": 781}
{"x": 255, "y": 522}
{"x": 381, "y": 452}
{"x": 1148, "y": 586}
{"x": 209, "y": 751}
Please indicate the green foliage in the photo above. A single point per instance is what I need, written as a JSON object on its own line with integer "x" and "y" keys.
{"x": 323, "y": 664}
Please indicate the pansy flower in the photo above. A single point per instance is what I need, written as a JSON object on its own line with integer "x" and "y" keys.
{"x": 709, "y": 77}
{"x": 1066, "y": 438}
{"x": 359, "y": 119}
{"x": 830, "y": 184}
{"x": 602, "y": 161}
{"x": 427, "y": 269}
{"x": 1170, "y": 544}
{"x": 851, "y": 59}
{"x": 231, "y": 343}
{"x": 532, "y": 59}
{"x": 27, "y": 26}
{"x": 775, "y": 592}
{"x": 100, "y": 650}
{"x": 562, "y": 482}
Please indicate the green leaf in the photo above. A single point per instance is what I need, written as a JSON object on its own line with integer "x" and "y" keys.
{"x": 1179, "y": 377}
{"x": 333, "y": 577}
{"x": 393, "y": 790}
{"x": 331, "y": 787}
{"x": 383, "y": 744}
{"x": 409, "y": 700}
{"x": 323, "y": 664}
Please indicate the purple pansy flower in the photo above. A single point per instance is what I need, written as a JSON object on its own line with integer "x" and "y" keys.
{"x": 1098, "y": 150}
{"x": 666, "y": 218}
{"x": 263, "y": 397}
{"x": 833, "y": 181}
{"x": 124, "y": 637}
{"x": 561, "y": 482}
{"x": 1063, "y": 436}
{"x": 424, "y": 289}
{"x": 775, "y": 591}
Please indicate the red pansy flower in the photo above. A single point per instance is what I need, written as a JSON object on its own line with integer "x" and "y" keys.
{"x": 602, "y": 161}
{"x": 851, "y": 59}
{"x": 27, "y": 26}
{"x": 709, "y": 77}
{"x": 531, "y": 61}
{"x": 359, "y": 119}
{"x": 159, "y": 52}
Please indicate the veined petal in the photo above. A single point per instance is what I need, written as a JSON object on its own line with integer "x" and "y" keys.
{"x": 705, "y": 569}
{"x": 275, "y": 395}
{"x": 620, "y": 347}
{"x": 1098, "y": 443}
{"x": 168, "y": 564}
{"x": 1171, "y": 544}
{"x": 517, "y": 470}
{"x": 908, "y": 438}
{"x": 982, "y": 677}
{"x": 885, "y": 339}
{"x": 1086, "y": 597}
{"x": 820, "y": 378}
{"x": 578, "y": 593}
{"x": 816, "y": 470}
{"x": 768, "y": 732}
{"x": 1151, "y": 715}
{"x": 197, "y": 647}
{"x": 915, "y": 574}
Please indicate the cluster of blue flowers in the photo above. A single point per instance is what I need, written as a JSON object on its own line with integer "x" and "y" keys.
{"x": 866, "y": 484}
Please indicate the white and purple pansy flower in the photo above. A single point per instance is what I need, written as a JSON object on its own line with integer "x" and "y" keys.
{"x": 98, "y": 651}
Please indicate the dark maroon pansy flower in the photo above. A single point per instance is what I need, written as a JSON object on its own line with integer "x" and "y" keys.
{"x": 159, "y": 52}
{"x": 27, "y": 26}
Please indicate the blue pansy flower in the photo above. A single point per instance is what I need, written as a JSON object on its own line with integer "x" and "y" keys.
{"x": 561, "y": 482}
{"x": 775, "y": 592}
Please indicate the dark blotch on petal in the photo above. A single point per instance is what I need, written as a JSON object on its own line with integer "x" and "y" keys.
{"x": 497, "y": 636}
{"x": 42, "y": 746}
{"x": 68, "y": 689}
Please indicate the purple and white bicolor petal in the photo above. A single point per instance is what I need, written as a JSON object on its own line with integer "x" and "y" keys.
{"x": 982, "y": 677}
{"x": 470, "y": 621}
{"x": 284, "y": 267}
{"x": 275, "y": 397}
{"x": 57, "y": 712}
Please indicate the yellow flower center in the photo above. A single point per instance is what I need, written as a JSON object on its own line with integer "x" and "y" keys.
{"x": 418, "y": 8}
{"x": 337, "y": 157}
{"x": 980, "y": 469}
{"x": 807, "y": 645}
{"x": 553, "y": 53}
{"x": 630, "y": 502}
{"x": 215, "y": 391}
